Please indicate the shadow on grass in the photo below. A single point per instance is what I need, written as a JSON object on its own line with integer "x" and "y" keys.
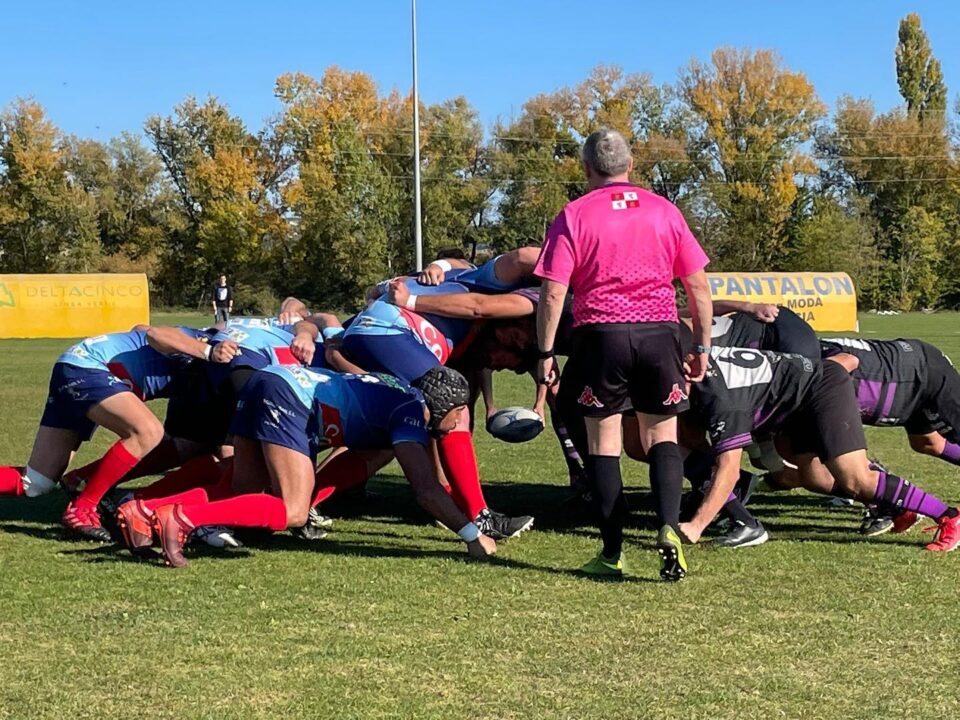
{"x": 389, "y": 501}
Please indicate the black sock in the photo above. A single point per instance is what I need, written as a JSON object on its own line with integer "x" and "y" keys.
{"x": 735, "y": 509}
{"x": 666, "y": 477}
{"x": 604, "y": 473}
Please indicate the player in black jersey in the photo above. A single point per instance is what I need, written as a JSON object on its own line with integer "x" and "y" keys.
{"x": 904, "y": 383}
{"x": 763, "y": 327}
{"x": 812, "y": 408}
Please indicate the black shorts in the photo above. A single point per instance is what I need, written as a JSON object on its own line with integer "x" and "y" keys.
{"x": 619, "y": 366}
{"x": 940, "y": 410}
{"x": 828, "y": 424}
{"x": 202, "y": 408}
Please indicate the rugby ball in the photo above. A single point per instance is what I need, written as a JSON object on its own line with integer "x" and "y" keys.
{"x": 515, "y": 425}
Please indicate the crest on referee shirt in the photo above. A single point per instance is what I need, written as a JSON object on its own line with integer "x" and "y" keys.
{"x": 624, "y": 200}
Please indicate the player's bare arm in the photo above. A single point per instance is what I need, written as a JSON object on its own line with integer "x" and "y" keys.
{"x": 549, "y": 311}
{"x": 435, "y": 272}
{"x": 726, "y": 474}
{"x": 469, "y": 306}
{"x": 846, "y": 360}
{"x": 701, "y": 307}
{"x": 419, "y": 472}
{"x": 169, "y": 340}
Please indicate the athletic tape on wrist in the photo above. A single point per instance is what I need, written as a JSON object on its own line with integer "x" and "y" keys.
{"x": 469, "y": 532}
{"x": 443, "y": 265}
{"x": 411, "y": 303}
{"x": 207, "y": 350}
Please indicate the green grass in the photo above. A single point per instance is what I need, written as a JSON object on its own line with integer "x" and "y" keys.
{"x": 385, "y": 619}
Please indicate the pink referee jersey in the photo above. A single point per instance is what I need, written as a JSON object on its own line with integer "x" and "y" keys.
{"x": 619, "y": 248}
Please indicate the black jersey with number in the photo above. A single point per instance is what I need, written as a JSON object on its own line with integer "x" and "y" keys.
{"x": 750, "y": 392}
{"x": 891, "y": 380}
{"x": 738, "y": 330}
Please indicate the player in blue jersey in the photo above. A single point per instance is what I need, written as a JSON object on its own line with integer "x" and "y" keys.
{"x": 105, "y": 380}
{"x": 407, "y": 344}
{"x": 289, "y": 414}
{"x": 503, "y": 273}
{"x": 200, "y": 411}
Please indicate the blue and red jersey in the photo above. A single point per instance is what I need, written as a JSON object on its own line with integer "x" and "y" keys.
{"x": 262, "y": 341}
{"x": 440, "y": 335}
{"x": 129, "y": 357}
{"x": 356, "y": 411}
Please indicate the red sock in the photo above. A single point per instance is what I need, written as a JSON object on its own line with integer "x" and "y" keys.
{"x": 321, "y": 494}
{"x": 195, "y": 496}
{"x": 197, "y": 472}
{"x": 345, "y": 471}
{"x": 104, "y": 473}
{"x": 460, "y": 466}
{"x": 257, "y": 510}
{"x": 10, "y": 480}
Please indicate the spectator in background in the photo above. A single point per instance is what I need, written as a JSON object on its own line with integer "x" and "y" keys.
{"x": 222, "y": 300}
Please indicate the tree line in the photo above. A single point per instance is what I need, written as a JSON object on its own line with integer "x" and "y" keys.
{"x": 317, "y": 202}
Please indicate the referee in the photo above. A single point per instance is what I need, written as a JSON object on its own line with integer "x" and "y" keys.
{"x": 618, "y": 249}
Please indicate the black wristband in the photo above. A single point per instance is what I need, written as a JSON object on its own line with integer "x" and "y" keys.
{"x": 545, "y": 354}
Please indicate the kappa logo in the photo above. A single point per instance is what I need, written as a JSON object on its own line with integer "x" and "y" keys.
{"x": 588, "y": 399}
{"x": 676, "y": 396}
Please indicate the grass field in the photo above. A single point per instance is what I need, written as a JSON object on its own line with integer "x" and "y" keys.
{"x": 385, "y": 619}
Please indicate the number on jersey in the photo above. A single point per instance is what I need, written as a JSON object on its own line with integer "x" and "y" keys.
{"x": 741, "y": 367}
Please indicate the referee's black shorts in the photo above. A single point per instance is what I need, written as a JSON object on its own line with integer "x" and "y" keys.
{"x": 615, "y": 367}
{"x": 828, "y": 424}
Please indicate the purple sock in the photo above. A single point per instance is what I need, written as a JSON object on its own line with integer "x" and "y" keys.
{"x": 900, "y": 494}
{"x": 951, "y": 453}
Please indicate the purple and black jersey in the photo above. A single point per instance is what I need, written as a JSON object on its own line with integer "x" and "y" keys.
{"x": 738, "y": 330}
{"x": 750, "y": 392}
{"x": 891, "y": 381}
{"x": 789, "y": 333}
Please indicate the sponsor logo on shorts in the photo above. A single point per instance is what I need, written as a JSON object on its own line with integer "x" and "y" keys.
{"x": 676, "y": 396}
{"x": 588, "y": 399}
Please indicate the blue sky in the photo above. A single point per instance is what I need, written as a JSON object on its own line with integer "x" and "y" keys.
{"x": 103, "y": 67}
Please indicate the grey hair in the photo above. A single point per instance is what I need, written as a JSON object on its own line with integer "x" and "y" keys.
{"x": 607, "y": 152}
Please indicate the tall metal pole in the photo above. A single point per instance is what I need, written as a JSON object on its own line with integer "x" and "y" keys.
{"x": 417, "y": 230}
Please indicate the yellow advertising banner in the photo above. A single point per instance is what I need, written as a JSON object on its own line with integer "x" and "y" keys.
{"x": 68, "y": 306}
{"x": 828, "y": 301}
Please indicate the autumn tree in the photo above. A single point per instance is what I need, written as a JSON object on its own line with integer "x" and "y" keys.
{"x": 537, "y": 156}
{"x": 343, "y": 201}
{"x": 751, "y": 117}
{"x": 228, "y": 183}
{"x": 136, "y": 207}
{"x": 47, "y": 221}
